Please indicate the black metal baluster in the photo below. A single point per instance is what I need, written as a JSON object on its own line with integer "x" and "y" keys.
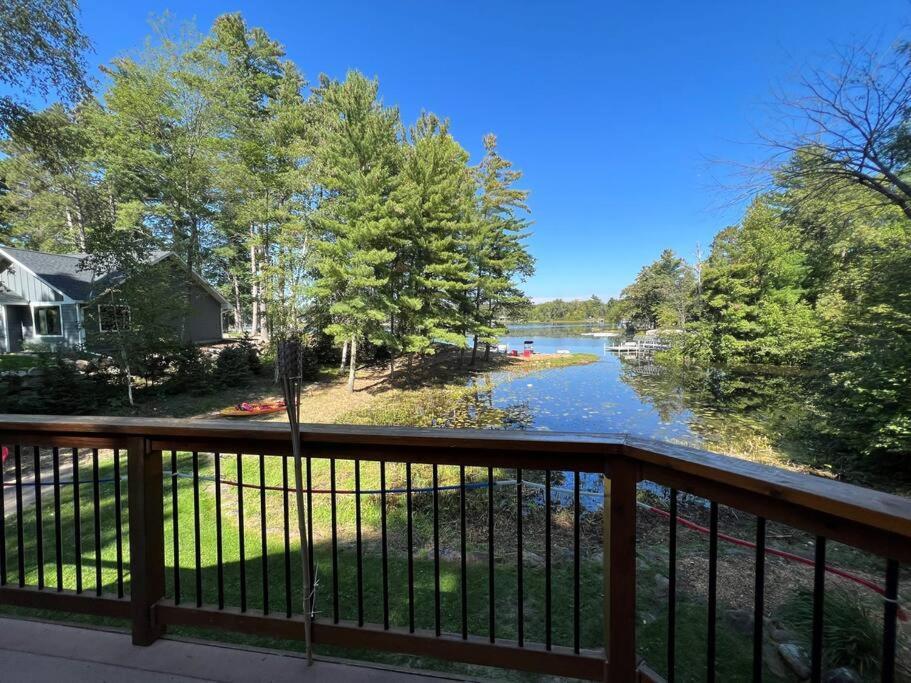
{"x": 175, "y": 516}
{"x": 197, "y": 540}
{"x": 359, "y": 546}
{"x": 77, "y": 520}
{"x": 20, "y": 541}
{"x": 713, "y": 591}
{"x": 819, "y": 593}
{"x": 384, "y": 541}
{"x": 219, "y": 542}
{"x": 118, "y": 521}
{"x": 410, "y": 530}
{"x": 3, "y": 528}
{"x": 436, "y": 550}
{"x": 548, "y": 594}
{"x": 491, "y": 577}
{"x": 759, "y": 599}
{"x": 577, "y": 563}
{"x": 890, "y": 614}
{"x": 463, "y": 536}
{"x": 39, "y": 524}
{"x": 672, "y": 590}
{"x": 242, "y": 563}
{"x": 335, "y": 606}
{"x": 520, "y": 577}
{"x": 287, "y": 539}
{"x": 96, "y": 518}
{"x": 264, "y": 540}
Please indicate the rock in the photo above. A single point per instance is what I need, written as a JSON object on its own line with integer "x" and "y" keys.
{"x": 796, "y": 659}
{"x": 781, "y": 635}
{"x": 773, "y": 661}
{"x": 661, "y": 584}
{"x": 842, "y": 674}
{"x": 83, "y": 365}
{"x": 740, "y": 620}
{"x": 531, "y": 559}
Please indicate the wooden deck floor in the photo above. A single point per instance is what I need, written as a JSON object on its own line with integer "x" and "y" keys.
{"x": 34, "y": 651}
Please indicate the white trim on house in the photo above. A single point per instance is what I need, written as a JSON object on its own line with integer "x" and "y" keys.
{"x": 80, "y": 323}
{"x": 6, "y": 348}
{"x": 66, "y": 299}
{"x": 46, "y": 304}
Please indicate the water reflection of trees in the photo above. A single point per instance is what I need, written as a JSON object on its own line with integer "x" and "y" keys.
{"x": 730, "y": 410}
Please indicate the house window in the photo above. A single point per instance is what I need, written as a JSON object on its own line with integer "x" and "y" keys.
{"x": 113, "y": 317}
{"x": 47, "y": 321}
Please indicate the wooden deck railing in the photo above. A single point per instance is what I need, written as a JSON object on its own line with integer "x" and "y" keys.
{"x": 137, "y": 539}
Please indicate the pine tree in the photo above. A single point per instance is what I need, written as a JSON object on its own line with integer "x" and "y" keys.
{"x": 432, "y": 205}
{"x": 497, "y": 253}
{"x": 356, "y": 160}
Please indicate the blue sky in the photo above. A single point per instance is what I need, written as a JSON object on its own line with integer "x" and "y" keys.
{"x": 628, "y": 118}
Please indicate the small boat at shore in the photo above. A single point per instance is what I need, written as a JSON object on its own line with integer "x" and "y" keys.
{"x": 600, "y": 334}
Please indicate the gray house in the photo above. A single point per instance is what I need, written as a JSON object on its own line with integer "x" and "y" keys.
{"x": 49, "y": 300}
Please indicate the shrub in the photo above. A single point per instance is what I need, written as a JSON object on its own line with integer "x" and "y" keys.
{"x": 852, "y": 634}
{"x": 60, "y": 389}
{"x": 232, "y": 367}
{"x": 192, "y": 372}
{"x": 249, "y": 347}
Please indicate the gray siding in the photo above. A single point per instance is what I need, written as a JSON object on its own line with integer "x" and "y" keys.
{"x": 17, "y": 279}
{"x": 204, "y": 324}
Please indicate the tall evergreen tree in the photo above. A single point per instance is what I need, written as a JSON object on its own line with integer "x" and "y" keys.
{"x": 497, "y": 253}
{"x": 356, "y": 158}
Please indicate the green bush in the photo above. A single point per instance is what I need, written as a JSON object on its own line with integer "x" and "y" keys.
{"x": 252, "y": 350}
{"x": 59, "y": 389}
{"x": 192, "y": 372}
{"x": 232, "y": 367}
{"x": 852, "y": 633}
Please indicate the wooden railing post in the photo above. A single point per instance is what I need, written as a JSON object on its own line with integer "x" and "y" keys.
{"x": 620, "y": 570}
{"x": 146, "y": 538}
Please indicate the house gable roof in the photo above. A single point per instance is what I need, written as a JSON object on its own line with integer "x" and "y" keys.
{"x": 66, "y": 273}
{"x": 62, "y": 272}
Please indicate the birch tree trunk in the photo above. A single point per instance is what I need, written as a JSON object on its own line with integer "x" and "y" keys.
{"x": 344, "y": 355}
{"x": 353, "y": 368}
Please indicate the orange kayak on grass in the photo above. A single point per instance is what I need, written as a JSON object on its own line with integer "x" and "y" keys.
{"x": 251, "y": 409}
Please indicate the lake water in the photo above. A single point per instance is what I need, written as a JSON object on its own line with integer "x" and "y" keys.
{"x": 715, "y": 410}
{"x": 598, "y": 397}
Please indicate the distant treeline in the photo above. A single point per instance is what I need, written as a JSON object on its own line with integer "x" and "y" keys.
{"x": 609, "y": 312}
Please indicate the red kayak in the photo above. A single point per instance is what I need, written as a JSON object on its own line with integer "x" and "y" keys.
{"x": 250, "y": 409}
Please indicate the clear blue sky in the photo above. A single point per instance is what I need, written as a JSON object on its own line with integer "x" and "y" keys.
{"x": 617, "y": 112}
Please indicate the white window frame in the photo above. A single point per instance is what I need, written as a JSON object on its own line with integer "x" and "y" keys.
{"x": 101, "y": 329}
{"x": 35, "y": 333}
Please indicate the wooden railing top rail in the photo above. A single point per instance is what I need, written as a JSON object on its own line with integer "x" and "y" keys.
{"x": 664, "y": 463}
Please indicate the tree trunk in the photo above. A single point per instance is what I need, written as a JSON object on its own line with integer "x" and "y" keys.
{"x": 254, "y": 285}
{"x": 238, "y": 311}
{"x": 461, "y": 355}
{"x": 486, "y": 352}
{"x": 344, "y": 356}
{"x": 392, "y": 366}
{"x": 474, "y": 350}
{"x": 353, "y": 367}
